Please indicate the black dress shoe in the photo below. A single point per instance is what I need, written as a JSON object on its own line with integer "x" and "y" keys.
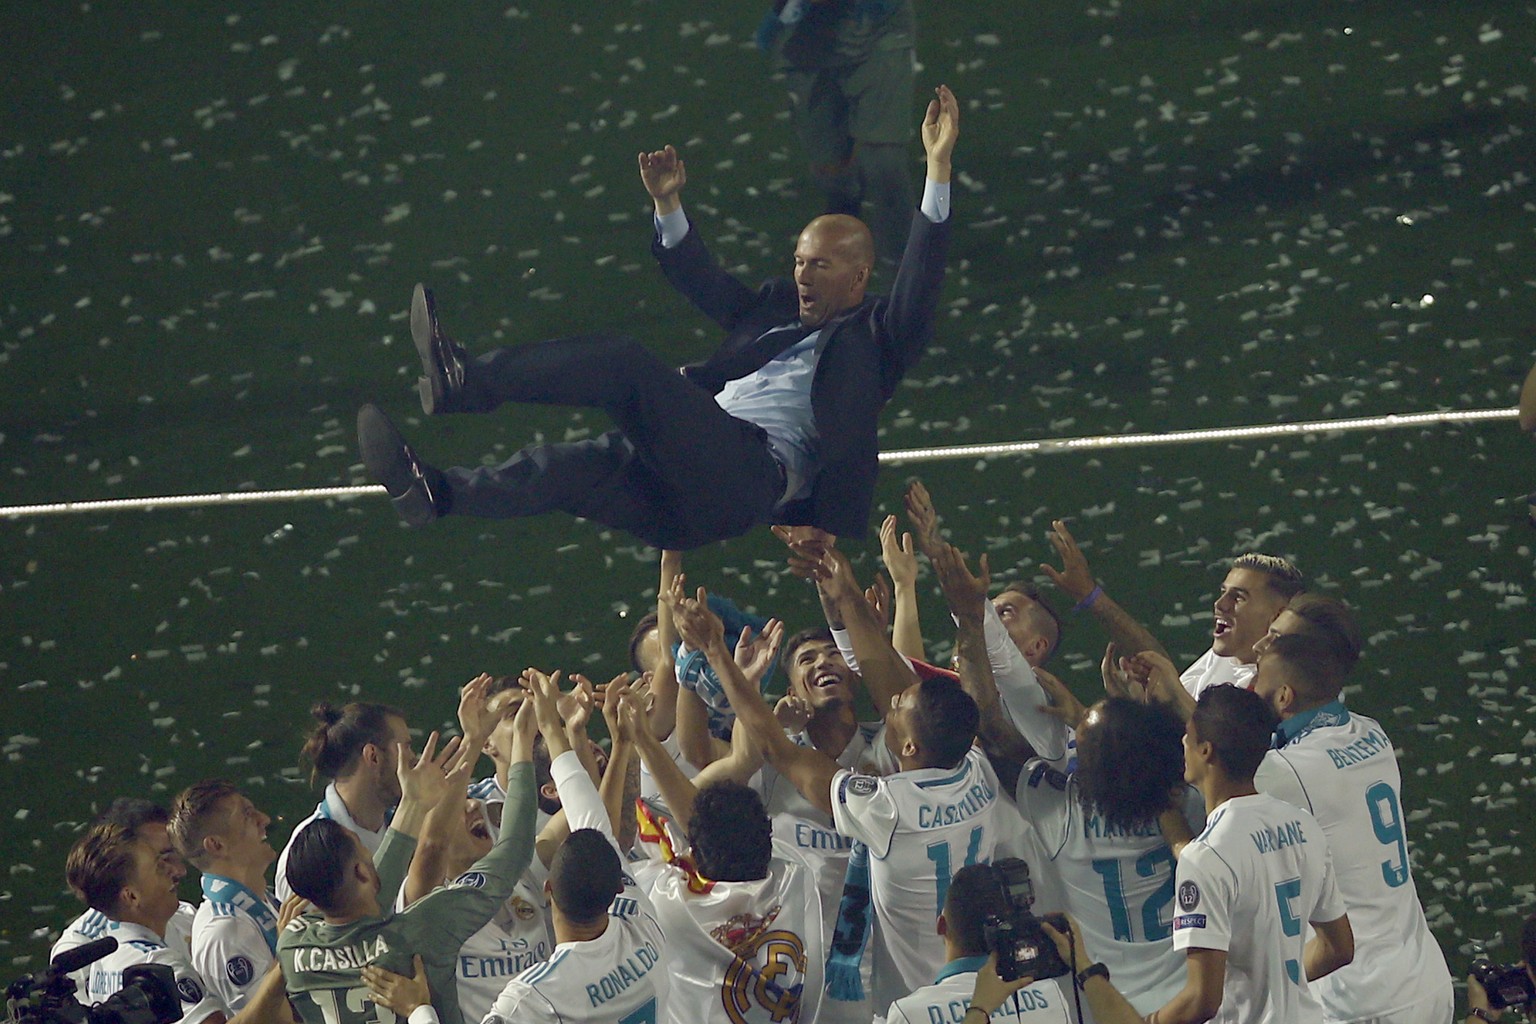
{"x": 442, "y": 360}
{"x": 392, "y": 463}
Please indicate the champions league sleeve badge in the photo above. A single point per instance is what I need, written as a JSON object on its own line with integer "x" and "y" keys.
{"x": 1189, "y": 896}
{"x": 239, "y": 970}
{"x": 189, "y": 989}
{"x": 862, "y": 785}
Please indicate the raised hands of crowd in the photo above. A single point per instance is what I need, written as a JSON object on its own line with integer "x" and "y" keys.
{"x": 698, "y": 627}
{"x": 425, "y": 780}
{"x": 1074, "y": 577}
{"x": 755, "y": 653}
{"x": 923, "y": 517}
{"x": 900, "y": 556}
{"x": 966, "y": 592}
{"x": 1154, "y": 675}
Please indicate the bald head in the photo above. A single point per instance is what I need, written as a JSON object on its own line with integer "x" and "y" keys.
{"x": 833, "y": 258}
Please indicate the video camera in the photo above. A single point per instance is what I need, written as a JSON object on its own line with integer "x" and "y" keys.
{"x": 1022, "y": 947}
{"x": 1506, "y": 985}
{"x": 148, "y": 995}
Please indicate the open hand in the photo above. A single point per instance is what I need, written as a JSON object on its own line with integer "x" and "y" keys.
{"x": 663, "y": 174}
{"x": 1074, "y": 577}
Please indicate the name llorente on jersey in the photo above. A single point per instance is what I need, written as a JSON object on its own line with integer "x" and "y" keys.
{"x": 1364, "y": 748}
{"x": 619, "y": 979}
{"x": 339, "y": 958}
{"x": 937, "y": 815}
{"x": 1277, "y": 837}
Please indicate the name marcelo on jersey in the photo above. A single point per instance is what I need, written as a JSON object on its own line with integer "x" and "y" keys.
{"x": 977, "y": 800}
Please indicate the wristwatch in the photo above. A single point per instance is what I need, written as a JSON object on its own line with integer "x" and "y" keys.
{"x": 1092, "y": 971}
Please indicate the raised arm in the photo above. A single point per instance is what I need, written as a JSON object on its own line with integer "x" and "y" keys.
{"x": 967, "y": 597}
{"x": 429, "y": 864}
{"x": 1076, "y": 581}
{"x": 676, "y": 789}
{"x": 808, "y": 769}
{"x": 941, "y": 130}
{"x": 885, "y": 673}
{"x": 901, "y": 562}
{"x": 663, "y": 174}
{"x": 662, "y": 717}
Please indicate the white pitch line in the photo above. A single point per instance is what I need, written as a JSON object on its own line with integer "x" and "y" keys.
{"x": 1397, "y": 421}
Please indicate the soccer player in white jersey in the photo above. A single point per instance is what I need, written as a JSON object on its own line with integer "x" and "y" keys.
{"x": 1099, "y": 825}
{"x": 1018, "y": 633}
{"x": 1250, "y": 883}
{"x": 1341, "y": 767}
{"x": 354, "y": 748}
{"x": 974, "y": 896}
{"x": 234, "y": 936}
{"x": 126, "y": 879}
{"x": 609, "y": 962}
{"x": 1254, "y": 590}
{"x": 934, "y": 816}
{"x": 144, "y": 820}
{"x": 824, "y": 688}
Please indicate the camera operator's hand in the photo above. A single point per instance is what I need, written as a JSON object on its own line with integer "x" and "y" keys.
{"x": 992, "y": 991}
{"x": 1477, "y": 999}
{"x": 1069, "y": 942}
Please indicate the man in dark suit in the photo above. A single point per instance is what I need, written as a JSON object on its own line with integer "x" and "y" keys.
{"x": 778, "y": 425}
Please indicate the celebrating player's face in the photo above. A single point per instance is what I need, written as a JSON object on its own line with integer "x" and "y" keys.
{"x": 819, "y": 675}
{"x": 1286, "y": 623}
{"x": 1244, "y": 609}
{"x": 153, "y": 881}
{"x": 830, "y": 275}
{"x": 245, "y": 830}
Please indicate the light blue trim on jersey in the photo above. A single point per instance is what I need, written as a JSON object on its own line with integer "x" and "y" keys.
{"x": 324, "y": 809}
{"x": 228, "y": 892}
{"x": 539, "y": 973}
{"x": 93, "y": 924}
{"x": 1294, "y": 728}
{"x": 948, "y": 780}
{"x": 961, "y": 965}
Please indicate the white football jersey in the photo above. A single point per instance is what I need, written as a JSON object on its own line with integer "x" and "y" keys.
{"x": 136, "y": 944}
{"x": 93, "y": 924}
{"x": 619, "y": 976}
{"x": 1211, "y": 669}
{"x": 800, "y": 824}
{"x": 744, "y": 952}
{"x": 1117, "y": 884}
{"x": 1019, "y": 691}
{"x": 1249, "y": 884}
{"x": 518, "y": 937}
{"x": 331, "y": 806}
{"x": 229, "y": 946}
{"x": 1345, "y": 773}
{"x": 946, "y": 1000}
{"x": 921, "y": 827}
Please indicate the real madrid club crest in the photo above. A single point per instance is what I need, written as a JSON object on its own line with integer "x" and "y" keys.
{"x": 767, "y": 971}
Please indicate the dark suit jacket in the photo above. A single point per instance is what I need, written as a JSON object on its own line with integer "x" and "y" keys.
{"x": 864, "y": 353}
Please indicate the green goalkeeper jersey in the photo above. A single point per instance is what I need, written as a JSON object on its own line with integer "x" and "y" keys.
{"x": 322, "y": 963}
